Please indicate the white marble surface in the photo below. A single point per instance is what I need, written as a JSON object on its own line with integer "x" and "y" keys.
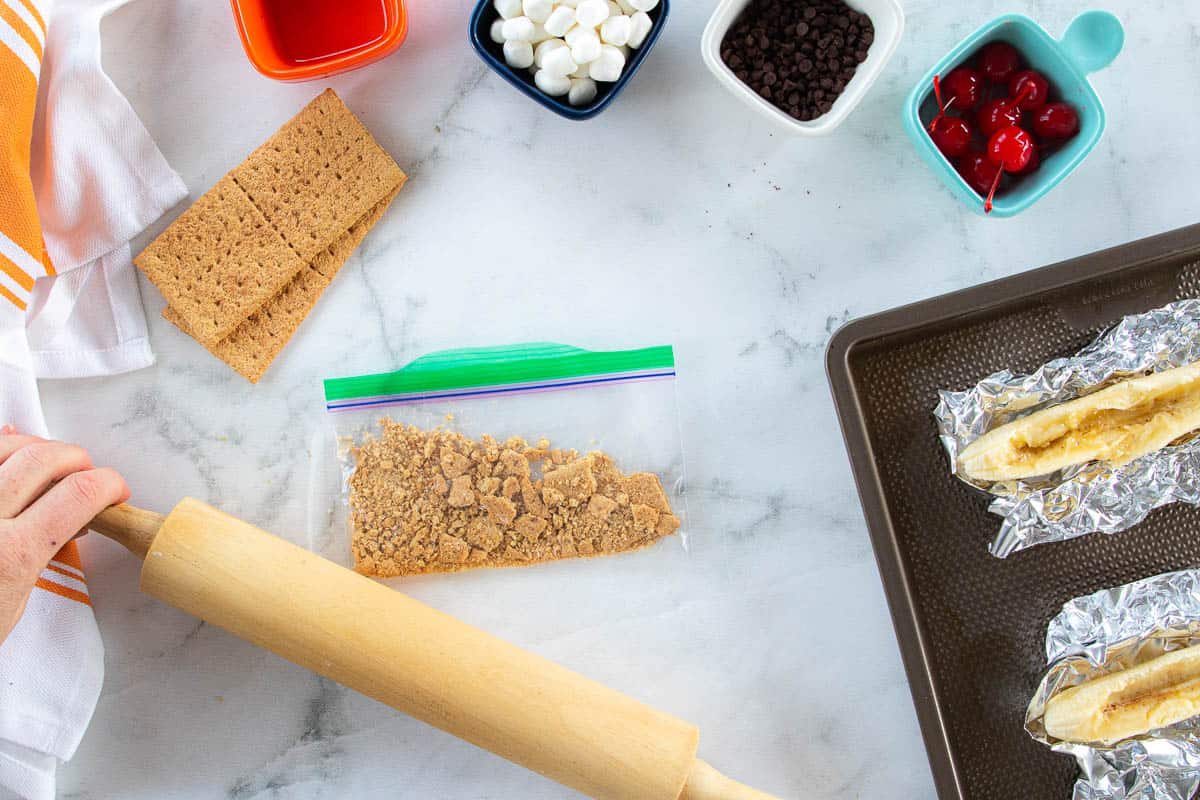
{"x": 741, "y": 246}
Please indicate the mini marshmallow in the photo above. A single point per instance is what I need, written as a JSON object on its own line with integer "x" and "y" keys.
{"x": 608, "y": 66}
{"x": 582, "y": 71}
{"x": 497, "y": 31}
{"x": 508, "y": 8}
{"x": 644, "y": 5}
{"x": 639, "y": 28}
{"x": 614, "y": 10}
{"x": 583, "y": 91}
{"x": 575, "y": 34}
{"x": 568, "y": 3}
{"x": 626, "y": 8}
{"x": 539, "y": 34}
{"x": 559, "y": 62}
{"x": 560, "y": 21}
{"x": 541, "y": 50}
{"x": 616, "y": 30}
{"x": 587, "y": 48}
{"x": 590, "y": 13}
{"x": 518, "y": 54}
{"x": 553, "y": 85}
{"x": 518, "y": 29}
{"x": 537, "y": 10}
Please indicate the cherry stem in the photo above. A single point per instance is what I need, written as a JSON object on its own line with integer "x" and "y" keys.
{"x": 937, "y": 92}
{"x": 987, "y": 204}
{"x": 1026, "y": 89}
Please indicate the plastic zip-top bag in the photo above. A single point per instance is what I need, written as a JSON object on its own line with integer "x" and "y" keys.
{"x": 503, "y": 457}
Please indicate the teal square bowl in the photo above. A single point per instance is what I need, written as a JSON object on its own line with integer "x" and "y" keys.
{"x": 1092, "y": 41}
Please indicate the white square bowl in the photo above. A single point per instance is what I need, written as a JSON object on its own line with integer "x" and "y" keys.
{"x": 886, "y": 16}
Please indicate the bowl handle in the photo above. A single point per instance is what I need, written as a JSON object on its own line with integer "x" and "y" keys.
{"x": 1093, "y": 40}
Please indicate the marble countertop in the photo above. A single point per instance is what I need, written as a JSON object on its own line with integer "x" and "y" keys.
{"x": 676, "y": 216}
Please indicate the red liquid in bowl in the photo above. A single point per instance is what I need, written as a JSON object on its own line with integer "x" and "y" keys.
{"x": 313, "y": 30}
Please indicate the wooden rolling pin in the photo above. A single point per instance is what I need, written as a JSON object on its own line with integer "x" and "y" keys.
{"x": 425, "y": 663}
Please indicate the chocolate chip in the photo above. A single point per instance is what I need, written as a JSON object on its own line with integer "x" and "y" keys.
{"x": 798, "y": 54}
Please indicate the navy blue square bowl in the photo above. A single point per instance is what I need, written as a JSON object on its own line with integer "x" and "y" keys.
{"x": 493, "y": 55}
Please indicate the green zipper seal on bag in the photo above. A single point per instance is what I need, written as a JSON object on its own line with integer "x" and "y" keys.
{"x": 475, "y": 372}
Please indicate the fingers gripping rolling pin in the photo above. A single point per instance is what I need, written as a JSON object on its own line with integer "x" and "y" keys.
{"x": 420, "y": 661}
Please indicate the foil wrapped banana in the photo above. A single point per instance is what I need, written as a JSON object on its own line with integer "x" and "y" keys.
{"x": 1154, "y": 694}
{"x": 1116, "y": 425}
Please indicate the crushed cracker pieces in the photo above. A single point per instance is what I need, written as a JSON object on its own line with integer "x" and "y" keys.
{"x": 437, "y": 501}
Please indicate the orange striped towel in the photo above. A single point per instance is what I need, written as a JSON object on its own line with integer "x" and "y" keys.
{"x": 75, "y": 186}
{"x": 51, "y": 666}
{"x": 22, "y": 254}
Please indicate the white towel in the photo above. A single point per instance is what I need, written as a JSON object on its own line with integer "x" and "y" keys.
{"x": 99, "y": 181}
{"x": 89, "y": 321}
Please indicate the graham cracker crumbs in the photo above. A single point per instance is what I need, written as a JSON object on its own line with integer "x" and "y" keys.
{"x": 437, "y": 501}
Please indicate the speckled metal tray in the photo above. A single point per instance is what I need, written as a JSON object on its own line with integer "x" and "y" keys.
{"x": 971, "y": 627}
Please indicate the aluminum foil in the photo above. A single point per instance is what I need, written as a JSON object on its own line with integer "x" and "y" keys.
{"x": 1112, "y": 630}
{"x": 1092, "y": 497}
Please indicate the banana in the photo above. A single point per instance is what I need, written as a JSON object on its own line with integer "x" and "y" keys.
{"x": 1116, "y": 425}
{"x": 1154, "y": 694}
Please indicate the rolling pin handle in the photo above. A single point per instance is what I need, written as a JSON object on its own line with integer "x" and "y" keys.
{"x": 705, "y": 783}
{"x": 130, "y": 526}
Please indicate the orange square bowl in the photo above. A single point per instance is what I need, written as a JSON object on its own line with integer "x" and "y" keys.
{"x": 300, "y": 40}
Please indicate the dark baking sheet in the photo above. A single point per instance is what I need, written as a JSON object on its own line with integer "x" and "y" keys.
{"x": 971, "y": 628}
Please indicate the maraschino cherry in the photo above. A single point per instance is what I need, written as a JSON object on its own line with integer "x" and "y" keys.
{"x": 978, "y": 171}
{"x": 964, "y": 87}
{"x": 998, "y": 61}
{"x": 951, "y": 135}
{"x": 1035, "y": 161}
{"x": 1030, "y": 89}
{"x": 1011, "y": 148}
{"x": 997, "y": 114}
{"x": 1056, "y": 121}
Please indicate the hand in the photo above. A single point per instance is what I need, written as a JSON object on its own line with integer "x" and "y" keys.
{"x": 48, "y": 492}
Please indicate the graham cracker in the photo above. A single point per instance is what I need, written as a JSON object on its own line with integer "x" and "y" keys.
{"x": 251, "y": 234}
{"x": 219, "y": 262}
{"x": 318, "y": 175}
{"x": 258, "y": 341}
